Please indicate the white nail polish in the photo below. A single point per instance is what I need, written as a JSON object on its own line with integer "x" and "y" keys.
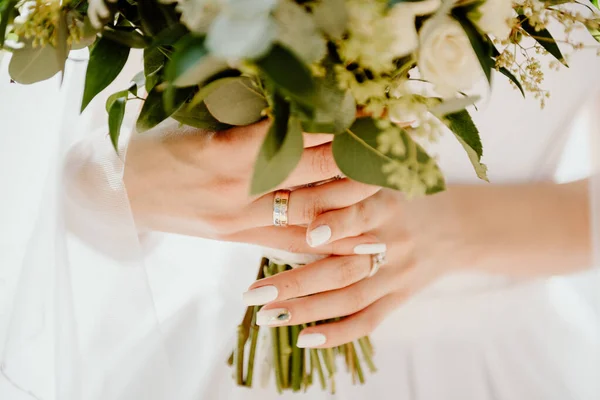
{"x": 272, "y": 317}
{"x": 260, "y": 296}
{"x": 371, "y": 248}
{"x": 311, "y": 340}
{"x": 318, "y": 236}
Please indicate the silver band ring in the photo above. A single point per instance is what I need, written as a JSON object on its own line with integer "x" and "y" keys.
{"x": 281, "y": 203}
{"x": 377, "y": 260}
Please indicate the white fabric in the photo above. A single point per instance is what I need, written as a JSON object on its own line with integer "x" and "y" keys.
{"x": 94, "y": 319}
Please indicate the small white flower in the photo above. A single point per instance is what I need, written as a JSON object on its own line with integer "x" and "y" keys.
{"x": 446, "y": 57}
{"x": 493, "y": 17}
{"x": 401, "y": 21}
{"x": 97, "y": 11}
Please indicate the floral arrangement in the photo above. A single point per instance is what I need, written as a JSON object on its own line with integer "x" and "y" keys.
{"x": 382, "y": 75}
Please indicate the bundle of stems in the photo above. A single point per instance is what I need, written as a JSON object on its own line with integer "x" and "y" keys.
{"x": 295, "y": 368}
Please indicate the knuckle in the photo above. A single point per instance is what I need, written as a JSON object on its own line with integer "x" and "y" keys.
{"x": 291, "y": 285}
{"x": 362, "y": 213}
{"x": 322, "y": 162}
{"x": 313, "y": 208}
{"x": 358, "y": 300}
{"x": 349, "y": 271}
{"x": 294, "y": 246}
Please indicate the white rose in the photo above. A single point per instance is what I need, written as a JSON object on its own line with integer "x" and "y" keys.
{"x": 446, "y": 57}
{"x": 401, "y": 22}
{"x": 494, "y": 16}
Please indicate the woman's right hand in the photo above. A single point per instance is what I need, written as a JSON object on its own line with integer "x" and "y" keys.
{"x": 193, "y": 182}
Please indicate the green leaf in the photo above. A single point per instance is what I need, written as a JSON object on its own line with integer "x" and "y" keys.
{"x": 153, "y": 17}
{"x": 466, "y": 132}
{"x": 453, "y": 105}
{"x": 30, "y": 65}
{"x": 199, "y": 117}
{"x": 335, "y": 110}
{"x": 331, "y": 17}
{"x": 62, "y": 47}
{"x": 513, "y": 78}
{"x": 191, "y": 64}
{"x": 107, "y": 59}
{"x": 122, "y": 94}
{"x": 208, "y": 89}
{"x": 357, "y": 155}
{"x": 595, "y": 2}
{"x": 127, "y": 37}
{"x": 481, "y": 45}
{"x": 236, "y": 102}
{"x": 544, "y": 38}
{"x": 154, "y": 112}
{"x": 115, "y": 120}
{"x": 289, "y": 74}
{"x": 281, "y": 150}
{"x": 7, "y": 11}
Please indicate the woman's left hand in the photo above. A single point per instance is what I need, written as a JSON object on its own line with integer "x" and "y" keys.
{"x": 509, "y": 230}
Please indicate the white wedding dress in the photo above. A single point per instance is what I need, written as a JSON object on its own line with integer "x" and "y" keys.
{"x": 103, "y": 315}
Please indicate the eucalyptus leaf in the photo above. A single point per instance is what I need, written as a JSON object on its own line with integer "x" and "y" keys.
{"x": 280, "y": 152}
{"x": 291, "y": 76}
{"x": 236, "y": 102}
{"x": 208, "y": 89}
{"x": 544, "y": 38}
{"x": 62, "y": 47}
{"x": 466, "y": 132}
{"x": 331, "y": 17}
{"x": 191, "y": 64}
{"x": 153, "y": 111}
{"x": 357, "y": 155}
{"x": 116, "y": 113}
{"x": 199, "y": 117}
{"x": 107, "y": 59}
{"x": 30, "y": 65}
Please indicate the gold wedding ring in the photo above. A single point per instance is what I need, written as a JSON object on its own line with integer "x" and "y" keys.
{"x": 281, "y": 202}
{"x": 377, "y": 260}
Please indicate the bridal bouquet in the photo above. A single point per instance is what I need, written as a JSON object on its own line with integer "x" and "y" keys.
{"x": 382, "y": 75}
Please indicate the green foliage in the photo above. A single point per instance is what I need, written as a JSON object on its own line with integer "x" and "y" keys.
{"x": 34, "y": 64}
{"x": 461, "y": 124}
{"x": 236, "y": 102}
{"x": 107, "y": 59}
{"x": 544, "y": 38}
{"x": 481, "y": 45}
{"x": 7, "y": 12}
{"x": 281, "y": 150}
{"x": 116, "y": 113}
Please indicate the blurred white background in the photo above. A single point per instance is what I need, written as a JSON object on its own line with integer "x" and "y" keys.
{"x": 28, "y": 139}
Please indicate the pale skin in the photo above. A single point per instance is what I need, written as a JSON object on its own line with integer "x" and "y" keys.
{"x": 194, "y": 183}
{"x": 521, "y": 231}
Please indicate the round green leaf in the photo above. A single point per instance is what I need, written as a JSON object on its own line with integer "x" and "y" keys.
{"x": 190, "y": 64}
{"x": 30, "y": 65}
{"x": 236, "y": 102}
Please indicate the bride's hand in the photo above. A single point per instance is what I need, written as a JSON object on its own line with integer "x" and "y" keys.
{"x": 186, "y": 181}
{"x": 514, "y": 231}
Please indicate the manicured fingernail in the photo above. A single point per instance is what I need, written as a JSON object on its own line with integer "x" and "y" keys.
{"x": 371, "y": 248}
{"x": 274, "y": 316}
{"x": 260, "y": 296}
{"x": 311, "y": 340}
{"x": 318, "y": 236}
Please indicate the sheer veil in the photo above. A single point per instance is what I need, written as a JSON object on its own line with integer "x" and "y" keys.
{"x": 84, "y": 304}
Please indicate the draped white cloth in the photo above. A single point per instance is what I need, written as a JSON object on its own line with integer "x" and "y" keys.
{"x": 102, "y": 313}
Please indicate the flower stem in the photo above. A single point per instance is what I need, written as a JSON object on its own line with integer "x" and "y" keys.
{"x": 356, "y": 363}
{"x": 367, "y": 353}
{"x": 285, "y": 351}
{"x": 350, "y": 362}
{"x": 296, "y": 359}
{"x": 239, "y": 356}
{"x": 253, "y": 340}
{"x": 315, "y": 363}
{"x": 330, "y": 365}
{"x": 276, "y": 360}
